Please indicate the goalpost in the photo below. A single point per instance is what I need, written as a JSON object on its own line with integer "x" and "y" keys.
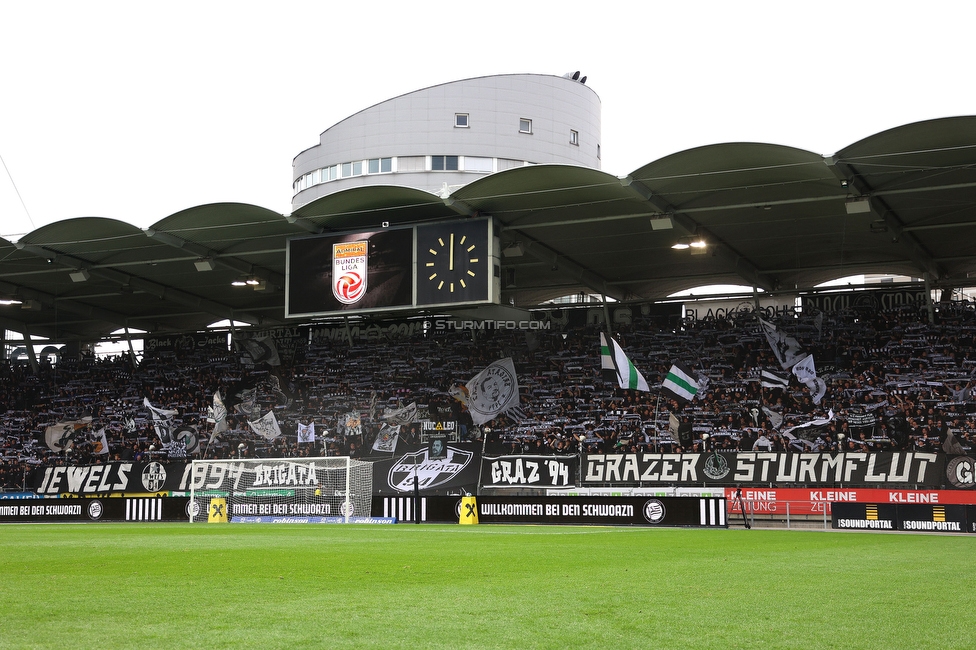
{"x": 280, "y": 489}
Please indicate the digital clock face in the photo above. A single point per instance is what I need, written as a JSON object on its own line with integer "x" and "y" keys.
{"x": 452, "y": 262}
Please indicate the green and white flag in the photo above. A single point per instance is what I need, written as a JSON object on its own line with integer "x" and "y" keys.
{"x": 612, "y": 358}
{"x": 681, "y": 382}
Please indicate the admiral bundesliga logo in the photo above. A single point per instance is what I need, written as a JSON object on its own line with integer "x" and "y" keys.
{"x": 349, "y": 271}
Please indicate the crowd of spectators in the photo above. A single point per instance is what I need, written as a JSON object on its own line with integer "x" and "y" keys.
{"x": 894, "y": 381}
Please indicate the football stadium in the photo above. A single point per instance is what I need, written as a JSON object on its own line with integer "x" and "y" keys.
{"x": 481, "y": 393}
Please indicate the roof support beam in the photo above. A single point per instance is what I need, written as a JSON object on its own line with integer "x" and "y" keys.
{"x": 305, "y": 224}
{"x": 161, "y": 291}
{"x": 232, "y": 263}
{"x": 460, "y": 207}
{"x": 67, "y": 304}
{"x": 858, "y": 187}
{"x": 566, "y": 266}
{"x": 743, "y": 266}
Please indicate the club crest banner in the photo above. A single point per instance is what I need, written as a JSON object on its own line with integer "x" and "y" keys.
{"x": 455, "y": 473}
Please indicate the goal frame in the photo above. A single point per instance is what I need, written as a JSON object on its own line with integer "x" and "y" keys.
{"x": 347, "y": 507}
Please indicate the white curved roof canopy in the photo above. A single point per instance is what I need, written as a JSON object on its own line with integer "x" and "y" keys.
{"x": 902, "y": 201}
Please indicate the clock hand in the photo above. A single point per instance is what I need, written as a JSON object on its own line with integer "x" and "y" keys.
{"x": 450, "y": 266}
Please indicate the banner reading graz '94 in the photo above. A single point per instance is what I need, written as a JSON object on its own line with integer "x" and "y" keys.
{"x": 759, "y": 468}
{"x": 529, "y": 471}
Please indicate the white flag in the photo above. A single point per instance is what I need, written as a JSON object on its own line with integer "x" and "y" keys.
{"x": 162, "y": 421}
{"x": 101, "y": 442}
{"x": 786, "y": 348}
{"x": 306, "y": 432}
{"x": 612, "y": 357}
{"x": 266, "y": 426}
{"x": 260, "y": 349}
{"x": 404, "y": 415}
{"x": 217, "y": 415}
{"x": 775, "y": 419}
{"x": 806, "y": 371}
{"x": 386, "y": 439}
{"x": 493, "y": 391}
{"x": 61, "y": 436}
{"x": 773, "y": 379}
{"x": 817, "y": 422}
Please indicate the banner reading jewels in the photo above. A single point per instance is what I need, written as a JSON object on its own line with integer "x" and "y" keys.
{"x": 529, "y": 471}
{"x": 110, "y": 478}
{"x": 753, "y": 468}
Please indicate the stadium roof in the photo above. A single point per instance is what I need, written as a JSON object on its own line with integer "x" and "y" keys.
{"x": 782, "y": 219}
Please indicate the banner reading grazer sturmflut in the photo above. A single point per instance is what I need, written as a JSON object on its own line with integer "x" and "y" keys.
{"x": 755, "y": 468}
{"x": 529, "y": 471}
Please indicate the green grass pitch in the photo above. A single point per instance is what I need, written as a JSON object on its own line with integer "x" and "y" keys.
{"x": 407, "y": 586}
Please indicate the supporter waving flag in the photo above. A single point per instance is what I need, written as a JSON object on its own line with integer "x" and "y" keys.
{"x": 774, "y": 379}
{"x": 612, "y": 358}
{"x": 786, "y": 348}
{"x": 806, "y": 371}
{"x": 400, "y": 416}
{"x": 101, "y": 442}
{"x": 162, "y": 421}
{"x": 493, "y": 391}
{"x": 386, "y": 439}
{"x": 266, "y": 426}
{"x": 217, "y": 415}
{"x": 61, "y": 436}
{"x": 681, "y": 382}
{"x": 306, "y": 432}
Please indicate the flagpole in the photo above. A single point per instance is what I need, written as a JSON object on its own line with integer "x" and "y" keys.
{"x": 606, "y": 314}
{"x": 657, "y": 432}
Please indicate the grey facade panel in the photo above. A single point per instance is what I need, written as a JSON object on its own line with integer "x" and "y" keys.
{"x": 422, "y": 123}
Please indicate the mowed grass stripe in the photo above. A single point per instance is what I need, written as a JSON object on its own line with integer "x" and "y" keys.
{"x": 277, "y": 586}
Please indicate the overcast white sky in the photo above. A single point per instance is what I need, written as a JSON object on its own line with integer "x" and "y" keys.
{"x": 135, "y": 111}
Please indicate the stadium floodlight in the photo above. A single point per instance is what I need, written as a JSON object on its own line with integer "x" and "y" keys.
{"x": 858, "y": 206}
{"x": 81, "y": 275}
{"x": 204, "y": 265}
{"x": 513, "y": 249}
{"x": 661, "y": 223}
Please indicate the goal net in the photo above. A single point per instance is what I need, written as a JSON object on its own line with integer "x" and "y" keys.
{"x": 280, "y": 489}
